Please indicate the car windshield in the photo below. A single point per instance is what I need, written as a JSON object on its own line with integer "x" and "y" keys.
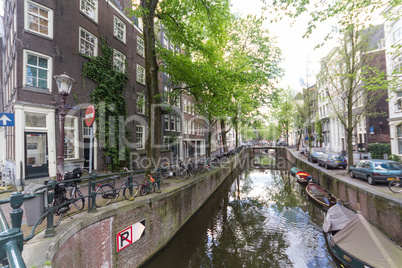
{"x": 338, "y": 157}
{"x": 317, "y": 154}
{"x": 387, "y": 165}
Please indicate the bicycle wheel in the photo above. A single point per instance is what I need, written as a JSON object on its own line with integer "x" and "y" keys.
{"x": 395, "y": 185}
{"x": 157, "y": 189}
{"x": 191, "y": 172}
{"x": 58, "y": 217}
{"x": 107, "y": 193}
{"x": 126, "y": 191}
{"x": 79, "y": 200}
{"x": 181, "y": 173}
{"x": 143, "y": 190}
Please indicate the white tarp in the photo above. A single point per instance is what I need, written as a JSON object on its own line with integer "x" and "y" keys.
{"x": 337, "y": 217}
{"x": 366, "y": 243}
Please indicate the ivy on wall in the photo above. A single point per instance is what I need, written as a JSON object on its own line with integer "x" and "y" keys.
{"x": 111, "y": 105}
{"x": 378, "y": 150}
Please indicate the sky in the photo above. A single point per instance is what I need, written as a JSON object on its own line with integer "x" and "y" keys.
{"x": 299, "y": 56}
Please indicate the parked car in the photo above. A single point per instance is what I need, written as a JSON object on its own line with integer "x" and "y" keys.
{"x": 313, "y": 157}
{"x": 332, "y": 161}
{"x": 376, "y": 170}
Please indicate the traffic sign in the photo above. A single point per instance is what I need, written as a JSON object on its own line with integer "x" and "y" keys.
{"x": 130, "y": 235}
{"x": 89, "y": 115}
{"x": 371, "y": 130}
{"x": 6, "y": 120}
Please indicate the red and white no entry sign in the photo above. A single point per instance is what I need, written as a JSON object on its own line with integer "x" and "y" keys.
{"x": 89, "y": 115}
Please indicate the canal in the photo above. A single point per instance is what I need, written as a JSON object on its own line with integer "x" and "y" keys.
{"x": 257, "y": 218}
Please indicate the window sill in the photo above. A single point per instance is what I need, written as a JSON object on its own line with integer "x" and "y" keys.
{"x": 121, "y": 41}
{"x": 50, "y": 38}
{"x": 37, "y": 90}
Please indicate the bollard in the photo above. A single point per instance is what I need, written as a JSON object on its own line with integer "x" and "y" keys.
{"x": 11, "y": 240}
{"x": 130, "y": 185}
{"x": 92, "y": 193}
{"x": 16, "y": 200}
{"x": 50, "y": 210}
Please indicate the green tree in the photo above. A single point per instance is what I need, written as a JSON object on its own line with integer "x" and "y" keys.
{"x": 283, "y": 111}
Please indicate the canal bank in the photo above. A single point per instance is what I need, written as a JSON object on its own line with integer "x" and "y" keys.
{"x": 380, "y": 208}
{"x": 91, "y": 240}
{"x": 101, "y": 239}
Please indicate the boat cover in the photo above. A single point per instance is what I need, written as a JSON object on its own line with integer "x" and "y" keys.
{"x": 337, "y": 217}
{"x": 365, "y": 242}
{"x": 294, "y": 170}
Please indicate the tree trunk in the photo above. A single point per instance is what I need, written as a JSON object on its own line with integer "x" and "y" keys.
{"x": 223, "y": 131}
{"x": 298, "y": 141}
{"x": 310, "y": 139}
{"x": 154, "y": 131}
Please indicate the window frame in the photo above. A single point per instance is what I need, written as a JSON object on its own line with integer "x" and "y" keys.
{"x": 117, "y": 28}
{"x": 140, "y": 77}
{"x": 140, "y": 144}
{"x": 96, "y": 9}
{"x": 49, "y": 70}
{"x": 95, "y": 44}
{"x": 138, "y": 109}
{"x": 75, "y": 138}
{"x": 172, "y": 122}
{"x": 166, "y": 120}
{"x": 123, "y": 61}
{"x": 49, "y": 19}
{"x": 140, "y": 46}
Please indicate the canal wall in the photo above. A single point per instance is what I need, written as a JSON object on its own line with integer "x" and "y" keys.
{"x": 382, "y": 210}
{"x": 91, "y": 240}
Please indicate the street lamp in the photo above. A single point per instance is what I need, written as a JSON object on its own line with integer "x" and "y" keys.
{"x": 64, "y": 84}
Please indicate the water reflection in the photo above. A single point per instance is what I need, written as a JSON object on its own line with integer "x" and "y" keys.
{"x": 256, "y": 219}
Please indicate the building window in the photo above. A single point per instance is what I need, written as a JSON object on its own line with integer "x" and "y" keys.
{"x": 140, "y": 74}
{"x": 90, "y": 8}
{"x": 34, "y": 120}
{"x": 140, "y": 103}
{"x": 37, "y": 70}
{"x": 166, "y": 143}
{"x": 178, "y": 124}
{"x": 119, "y": 29}
{"x": 399, "y": 100}
{"x": 70, "y": 137}
{"x": 119, "y": 61}
{"x": 38, "y": 19}
{"x": 399, "y": 133}
{"x": 86, "y": 131}
{"x": 166, "y": 95}
{"x": 172, "y": 123}
{"x": 397, "y": 31}
{"x": 166, "y": 122}
{"x": 185, "y": 126}
{"x": 88, "y": 43}
{"x": 184, "y": 105}
{"x": 140, "y": 46}
{"x": 140, "y": 137}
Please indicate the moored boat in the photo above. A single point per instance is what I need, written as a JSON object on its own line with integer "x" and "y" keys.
{"x": 320, "y": 195}
{"x": 303, "y": 177}
{"x": 294, "y": 170}
{"x": 355, "y": 243}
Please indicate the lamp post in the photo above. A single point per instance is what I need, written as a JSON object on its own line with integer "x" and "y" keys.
{"x": 64, "y": 84}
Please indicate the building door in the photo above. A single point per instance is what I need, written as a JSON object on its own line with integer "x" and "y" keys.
{"x": 36, "y": 162}
{"x": 86, "y": 153}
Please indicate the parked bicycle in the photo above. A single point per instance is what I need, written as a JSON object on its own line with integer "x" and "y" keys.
{"x": 396, "y": 185}
{"x": 66, "y": 194}
{"x": 109, "y": 191}
{"x": 150, "y": 185}
{"x": 180, "y": 171}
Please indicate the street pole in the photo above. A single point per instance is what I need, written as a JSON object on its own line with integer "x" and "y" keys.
{"x": 62, "y": 112}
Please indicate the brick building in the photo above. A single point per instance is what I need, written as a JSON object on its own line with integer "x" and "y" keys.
{"x": 43, "y": 38}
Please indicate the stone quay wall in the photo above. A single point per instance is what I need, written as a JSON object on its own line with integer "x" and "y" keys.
{"x": 382, "y": 210}
{"x": 89, "y": 239}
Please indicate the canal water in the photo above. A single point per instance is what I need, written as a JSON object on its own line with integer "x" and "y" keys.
{"x": 257, "y": 218}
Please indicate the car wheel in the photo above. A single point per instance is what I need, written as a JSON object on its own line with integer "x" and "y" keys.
{"x": 326, "y": 166}
{"x": 351, "y": 174}
{"x": 370, "y": 180}
{"x": 344, "y": 167}
{"x": 318, "y": 163}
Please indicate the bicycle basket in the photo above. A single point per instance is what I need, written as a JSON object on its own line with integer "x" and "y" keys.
{"x": 59, "y": 188}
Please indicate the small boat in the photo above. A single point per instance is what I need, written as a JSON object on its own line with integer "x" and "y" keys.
{"x": 303, "y": 177}
{"x": 320, "y": 195}
{"x": 294, "y": 170}
{"x": 355, "y": 243}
